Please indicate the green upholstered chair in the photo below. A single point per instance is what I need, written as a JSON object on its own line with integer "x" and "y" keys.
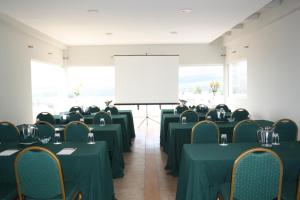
{"x": 8, "y": 132}
{"x": 75, "y": 116}
{"x": 245, "y": 131}
{"x": 263, "y": 123}
{"x": 201, "y": 108}
{"x": 104, "y": 115}
{"x": 205, "y": 132}
{"x": 212, "y": 115}
{"x": 240, "y": 114}
{"x": 76, "y": 109}
{"x": 46, "y": 117}
{"x": 39, "y": 176}
{"x": 287, "y": 130}
{"x": 224, "y": 106}
{"x": 181, "y": 108}
{"x": 76, "y": 132}
{"x": 93, "y": 109}
{"x": 257, "y": 174}
{"x": 113, "y": 110}
{"x": 45, "y": 130}
{"x": 8, "y": 191}
{"x": 191, "y": 116}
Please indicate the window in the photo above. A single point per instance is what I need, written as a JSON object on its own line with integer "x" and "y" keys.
{"x": 194, "y": 84}
{"x": 238, "y": 79}
{"x": 48, "y": 87}
{"x": 90, "y": 85}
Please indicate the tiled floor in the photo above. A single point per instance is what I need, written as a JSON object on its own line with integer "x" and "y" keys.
{"x": 145, "y": 176}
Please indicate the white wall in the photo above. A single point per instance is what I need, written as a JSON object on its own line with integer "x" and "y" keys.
{"x": 190, "y": 54}
{"x": 273, "y": 68}
{"x": 15, "y": 73}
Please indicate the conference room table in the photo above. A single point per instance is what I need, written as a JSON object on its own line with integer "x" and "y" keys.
{"x": 88, "y": 166}
{"x": 179, "y": 134}
{"x": 121, "y": 119}
{"x": 204, "y": 167}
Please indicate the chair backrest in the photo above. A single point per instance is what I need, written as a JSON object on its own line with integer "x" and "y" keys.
{"x": 73, "y": 116}
{"x": 287, "y": 130}
{"x": 93, "y": 109}
{"x": 46, "y": 117}
{"x": 257, "y": 174}
{"x": 191, "y": 116}
{"x": 45, "y": 129}
{"x": 205, "y": 132}
{"x": 107, "y": 118}
{"x": 39, "y": 174}
{"x": 201, "y": 108}
{"x": 113, "y": 110}
{"x": 181, "y": 108}
{"x": 240, "y": 114}
{"x": 76, "y": 132}
{"x": 9, "y": 132}
{"x": 76, "y": 109}
{"x": 245, "y": 131}
{"x": 224, "y": 106}
{"x": 212, "y": 115}
{"x": 263, "y": 123}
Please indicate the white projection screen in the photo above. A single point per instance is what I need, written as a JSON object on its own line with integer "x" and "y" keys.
{"x": 146, "y": 79}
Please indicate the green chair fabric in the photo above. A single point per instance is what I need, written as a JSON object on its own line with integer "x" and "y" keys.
{"x": 93, "y": 109}
{"x": 39, "y": 175}
{"x": 287, "y": 130}
{"x": 76, "y": 109}
{"x": 107, "y": 118}
{"x": 201, "y": 108}
{"x": 191, "y": 116}
{"x": 76, "y": 132}
{"x": 256, "y": 174}
{"x": 181, "y": 108}
{"x": 240, "y": 114}
{"x": 212, "y": 115}
{"x": 263, "y": 123}
{"x": 245, "y": 131}
{"x": 8, "y": 191}
{"x": 224, "y": 106}
{"x": 113, "y": 110}
{"x": 45, "y": 130}
{"x": 45, "y": 117}
{"x": 8, "y": 132}
{"x": 73, "y": 116}
{"x": 205, "y": 132}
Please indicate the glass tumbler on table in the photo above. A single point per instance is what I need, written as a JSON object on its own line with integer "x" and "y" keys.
{"x": 91, "y": 139}
{"x": 223, "y": 140}
{"x": 102, "y": 122}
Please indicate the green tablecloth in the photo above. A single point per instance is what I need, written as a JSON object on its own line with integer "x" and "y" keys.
{"x": 117, "y": 119}
{"x": 88, "y": 166}
{"x": 205, "y": 166}
{"x": 130, "y": 122}
{"x": 180, "y": 134}
{"x": 164, "y": 124}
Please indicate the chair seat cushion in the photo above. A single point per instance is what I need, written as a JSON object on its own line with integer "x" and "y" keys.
{"x": 8, "y": 191}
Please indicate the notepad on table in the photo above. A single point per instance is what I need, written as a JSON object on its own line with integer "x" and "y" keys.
{"x": 66, "y": 151}
{"x": 8, "y": 152}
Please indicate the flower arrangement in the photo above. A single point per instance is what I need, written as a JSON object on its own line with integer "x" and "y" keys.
{"x": 214, "y": 86}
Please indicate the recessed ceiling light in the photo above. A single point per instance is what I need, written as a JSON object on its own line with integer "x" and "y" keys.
{"x": 93, "y": 11}
{"x": 173, "y": 32}
{"x": 108, "y": 33}
{"x": 185, "y": 11}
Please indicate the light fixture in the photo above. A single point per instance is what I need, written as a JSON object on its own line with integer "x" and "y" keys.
{"x": 108, "y": 33}
{"x": 174, "y": 32}
{"x": 185, "y": 11}
{"x": 92, "y": 11}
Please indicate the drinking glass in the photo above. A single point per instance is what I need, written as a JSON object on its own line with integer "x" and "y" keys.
{"x": 109, "y": 112}
{"x": 57, "y": 138}
{"x": 223, "y": 140}
{"x": 183, "y": 120}
{"x": 275, "y": 139}
{"x": 175, "y": 112}
{"x": 91, "y": 139}
{"x": 37, "y": 119}
{"x": 64, "y": 117}
{"x": 102, "y": 122}
{"x": 81, "y": 119}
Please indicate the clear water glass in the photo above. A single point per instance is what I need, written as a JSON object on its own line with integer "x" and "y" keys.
{"x": 57, "y": 138}
{"x": 183, "y": 120}
{"x": 223, "y": 140}
{"x": 102, "y": 122}
{"x": 64, "y": 117}
{"x": 275, "y": 139}
{"x": 37, "y": 119}
{"x": 109, "y": 112}
{"x": 91, "y": 139}
{"x": 81, "y": 119}
{"x": 175, "y": 112}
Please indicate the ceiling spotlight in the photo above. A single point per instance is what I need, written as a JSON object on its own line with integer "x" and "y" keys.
{"x": 173, "y": 32}
{"x": 93, "y": 11}
{"x": 108, "y": 33}
{"x": 185, "y": 11}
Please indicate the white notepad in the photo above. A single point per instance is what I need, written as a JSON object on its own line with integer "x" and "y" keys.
{"x": 8, "y": 152}
{"x": 66, "y": 151}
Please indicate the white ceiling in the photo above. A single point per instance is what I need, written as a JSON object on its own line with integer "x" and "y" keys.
{"x": 131, "y": 21}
